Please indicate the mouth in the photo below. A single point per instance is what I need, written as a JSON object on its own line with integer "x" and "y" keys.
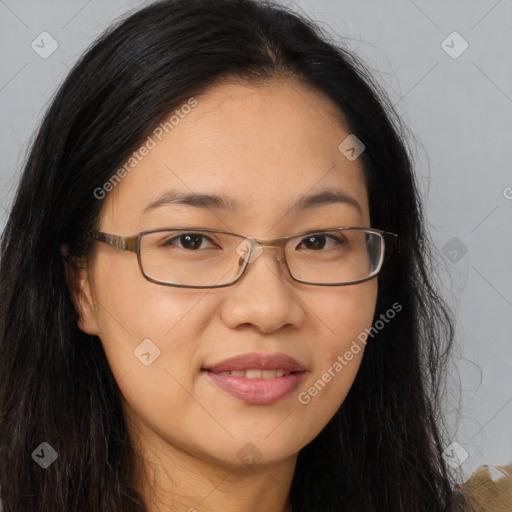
{"x": 257, "y": 379}
{"x": 256, "y": 373}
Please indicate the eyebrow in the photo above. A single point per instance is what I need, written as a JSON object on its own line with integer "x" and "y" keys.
{"x": 217, "y": 202}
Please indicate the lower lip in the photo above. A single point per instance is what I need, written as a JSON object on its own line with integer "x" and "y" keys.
{"x": 257, "y": 391}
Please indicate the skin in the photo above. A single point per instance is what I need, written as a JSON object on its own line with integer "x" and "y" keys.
{"x": 266, "y": 147}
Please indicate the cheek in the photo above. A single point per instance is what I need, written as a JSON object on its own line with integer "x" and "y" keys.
{"x": 344, "y": 318}
{"x": 151, "y": 335}
{"x": 345, "y": 312}
{"x": 141, "y": 322}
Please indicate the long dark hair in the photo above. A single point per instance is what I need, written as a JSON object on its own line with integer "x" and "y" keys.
{"x": 382, "y": 449}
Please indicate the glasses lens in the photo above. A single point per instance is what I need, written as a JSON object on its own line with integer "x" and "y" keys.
{"x": 330, "y": 257}
{"x": 200, "y": 258}
{"x": 191, "y": 258}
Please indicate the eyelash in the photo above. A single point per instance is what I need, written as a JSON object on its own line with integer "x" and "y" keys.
{"x": 170, "y": 241}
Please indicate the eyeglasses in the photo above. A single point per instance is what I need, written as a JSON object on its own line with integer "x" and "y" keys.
{"x": 207, "y": 258}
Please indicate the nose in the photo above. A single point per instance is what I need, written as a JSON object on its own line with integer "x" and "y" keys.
{"x": 264, "y": 297}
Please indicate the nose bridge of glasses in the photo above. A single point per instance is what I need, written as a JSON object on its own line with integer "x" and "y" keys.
{"x": 250, "y": 248}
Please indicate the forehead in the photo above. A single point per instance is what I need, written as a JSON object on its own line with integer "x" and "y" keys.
{"x": 265, "y": 146}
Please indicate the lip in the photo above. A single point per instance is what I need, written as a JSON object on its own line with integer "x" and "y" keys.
{"x": 257, "y": 361}
{"x": 257, "y": 391}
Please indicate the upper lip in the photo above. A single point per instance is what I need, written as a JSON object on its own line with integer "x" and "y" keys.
{"x": 257, "y": 361}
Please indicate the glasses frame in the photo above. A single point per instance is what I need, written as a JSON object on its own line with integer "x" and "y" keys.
{"x": 132, "y": 243}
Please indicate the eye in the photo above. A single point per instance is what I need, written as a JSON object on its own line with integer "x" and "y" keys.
{"x": 189, "y": 241}
{"x": 319, "y": 241}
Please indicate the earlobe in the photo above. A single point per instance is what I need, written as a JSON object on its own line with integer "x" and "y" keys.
{"x": 77, "y": 277}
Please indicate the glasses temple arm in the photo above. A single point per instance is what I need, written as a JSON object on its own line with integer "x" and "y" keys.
{"x": 123, "y": 243}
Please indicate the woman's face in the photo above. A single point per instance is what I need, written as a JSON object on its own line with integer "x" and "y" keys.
{"x": 264, "y": 149}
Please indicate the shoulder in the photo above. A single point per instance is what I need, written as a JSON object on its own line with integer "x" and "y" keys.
{"x": 489, "y": 489}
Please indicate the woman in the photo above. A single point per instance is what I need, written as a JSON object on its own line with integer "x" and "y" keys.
{"x": 183, "y": 323}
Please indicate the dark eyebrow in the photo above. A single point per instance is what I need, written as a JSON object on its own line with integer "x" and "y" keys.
{"x": 216, "y": 202}
{"x": 326, "y": 197}
{"x": 210, "y": 201}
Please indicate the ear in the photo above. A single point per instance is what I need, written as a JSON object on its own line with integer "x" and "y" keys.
{"x": 77, "y": 277}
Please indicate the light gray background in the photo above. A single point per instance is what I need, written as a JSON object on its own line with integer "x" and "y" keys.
{"x": 460, "y": 111}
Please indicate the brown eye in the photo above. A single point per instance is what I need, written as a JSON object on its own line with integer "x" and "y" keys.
{"x": 190, "y": 241}
{"x": 318, "y": 241}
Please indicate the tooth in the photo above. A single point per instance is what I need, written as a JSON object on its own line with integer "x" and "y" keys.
{"x": 253, "y": 374}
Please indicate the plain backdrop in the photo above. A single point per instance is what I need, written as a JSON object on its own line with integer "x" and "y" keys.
{"x": 447, "y": 68}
